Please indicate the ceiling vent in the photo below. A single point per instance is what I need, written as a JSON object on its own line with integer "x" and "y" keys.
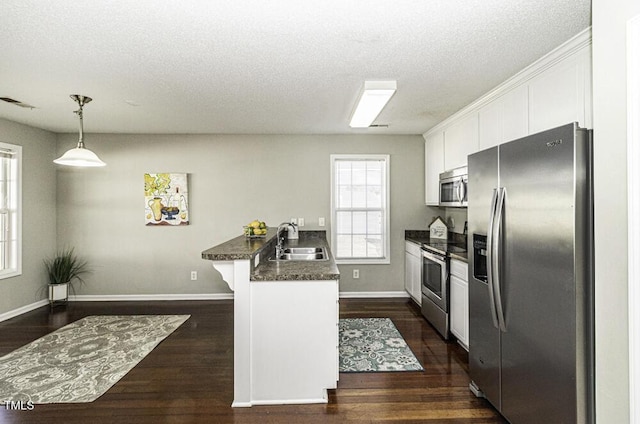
{"x": 16, "y": 102}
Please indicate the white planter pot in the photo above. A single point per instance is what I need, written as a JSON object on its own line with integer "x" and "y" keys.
{"x": 58, "y": 292}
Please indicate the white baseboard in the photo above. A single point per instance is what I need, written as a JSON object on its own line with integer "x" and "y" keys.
{"x": 23, "y": 310}
{"x": 204, "y": 296}
{"x": 282, "y": 402}
{"x": 376, "y": 294}
{"x": 213, "y": 296}
{"x": 143, "y": 297}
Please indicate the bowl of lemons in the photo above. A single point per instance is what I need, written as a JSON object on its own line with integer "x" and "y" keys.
{"x": 255, "y": 229}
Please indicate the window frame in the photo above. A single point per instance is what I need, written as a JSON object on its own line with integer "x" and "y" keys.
{"x": 386, "y": 221}
{"x": 16, "y": 246}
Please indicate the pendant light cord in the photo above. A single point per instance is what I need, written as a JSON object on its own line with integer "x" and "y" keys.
{"x": 81, "y": 100}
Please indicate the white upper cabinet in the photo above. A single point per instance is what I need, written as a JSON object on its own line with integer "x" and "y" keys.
{"x": 562, "y": 94}
{"x": 504, "y": 119}
{"x": 460, "y": 140}
{"x": 434, "y": 165}
{"x": 554, "y": 91}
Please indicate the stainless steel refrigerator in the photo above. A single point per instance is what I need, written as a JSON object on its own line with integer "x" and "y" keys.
{"x": 531, "y": 337}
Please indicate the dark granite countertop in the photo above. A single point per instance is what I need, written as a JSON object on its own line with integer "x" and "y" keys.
{"x": 267, "y": 270}
{"x": 464, "y": 257}
{"x": 240, "y": 247}
{"x": 417, "y": 236}
{"x": 422, "y": 237}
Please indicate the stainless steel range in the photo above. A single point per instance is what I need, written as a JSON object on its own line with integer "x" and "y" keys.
{"x": 435, "y": 284}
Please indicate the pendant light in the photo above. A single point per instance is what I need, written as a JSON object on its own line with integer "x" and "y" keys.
{"x": 80, "y": 156}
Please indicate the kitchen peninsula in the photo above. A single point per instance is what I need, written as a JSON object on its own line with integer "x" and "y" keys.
{"x": 285, "y": 319}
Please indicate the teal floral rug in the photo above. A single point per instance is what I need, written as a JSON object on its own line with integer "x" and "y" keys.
{"x": 374, "y": 345}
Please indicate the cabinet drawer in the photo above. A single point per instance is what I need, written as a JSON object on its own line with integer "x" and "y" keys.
{"x": 412, "y": 248}
{"x": 459, "y": 269}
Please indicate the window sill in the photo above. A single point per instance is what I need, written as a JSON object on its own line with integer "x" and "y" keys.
{"x": 10, "y": 273}
{"x": 383, "y": 261}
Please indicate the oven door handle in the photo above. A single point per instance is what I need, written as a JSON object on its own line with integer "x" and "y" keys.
{"x": 434, "y": 257}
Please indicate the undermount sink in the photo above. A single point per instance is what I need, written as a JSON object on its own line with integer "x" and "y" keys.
{"x": 305, "y": 250}
{"x": 303, "y": 254}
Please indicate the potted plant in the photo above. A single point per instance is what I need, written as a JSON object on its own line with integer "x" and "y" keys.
{"x": 62, "y": 270}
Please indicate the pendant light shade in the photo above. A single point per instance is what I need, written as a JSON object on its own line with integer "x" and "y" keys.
{"x": 80, "y": 155}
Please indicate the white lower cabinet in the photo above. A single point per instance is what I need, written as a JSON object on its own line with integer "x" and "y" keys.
{"x": 413, "y": 271}
{"x": 459, "y": 292}
{"x": 282, "y": 312}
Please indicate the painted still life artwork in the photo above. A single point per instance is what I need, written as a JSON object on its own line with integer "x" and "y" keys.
{"x": 166, "y": 199}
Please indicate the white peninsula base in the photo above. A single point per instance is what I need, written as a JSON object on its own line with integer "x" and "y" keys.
{"x": 285, "y": 338}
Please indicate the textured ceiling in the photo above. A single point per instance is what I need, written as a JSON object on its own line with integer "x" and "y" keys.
{"x": 278, "y": 67}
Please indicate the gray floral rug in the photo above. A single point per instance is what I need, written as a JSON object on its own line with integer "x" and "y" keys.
{"x": 82, "y": 360}
{"x": 374, "y": 344}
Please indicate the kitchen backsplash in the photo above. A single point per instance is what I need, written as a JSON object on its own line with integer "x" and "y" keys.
{"x": 453, "y": 217}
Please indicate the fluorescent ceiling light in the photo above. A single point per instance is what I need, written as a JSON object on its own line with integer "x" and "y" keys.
{"x": 375, "y": 96}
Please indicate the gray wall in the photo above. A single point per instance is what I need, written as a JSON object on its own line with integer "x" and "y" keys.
{"x": 610, "y": 170}
{"x": 233, "y": 179}
{"x": 38, "y": 214}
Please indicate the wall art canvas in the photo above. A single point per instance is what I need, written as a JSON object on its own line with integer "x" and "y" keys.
{"x": 166, "y": 199}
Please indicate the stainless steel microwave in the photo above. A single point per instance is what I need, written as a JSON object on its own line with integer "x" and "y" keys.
{"x": 453, "y": 188}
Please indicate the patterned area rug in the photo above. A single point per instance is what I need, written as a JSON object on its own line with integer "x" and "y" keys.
{"x": 81, "y": 361}
{"x": 372, "y": 345}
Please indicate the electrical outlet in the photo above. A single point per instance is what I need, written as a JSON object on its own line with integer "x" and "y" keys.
{"x": 294, "y": 221}
{"x": 321, "y": 222}
{"x": 194, "y": 275}
{"x": 300, "y": 222}
{"x": 356, "y": 274}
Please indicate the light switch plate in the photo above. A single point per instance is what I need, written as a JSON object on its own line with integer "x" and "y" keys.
{"x": 321, "y": 222}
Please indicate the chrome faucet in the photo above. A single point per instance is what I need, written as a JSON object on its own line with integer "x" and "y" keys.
{"x": 280, "y": 237}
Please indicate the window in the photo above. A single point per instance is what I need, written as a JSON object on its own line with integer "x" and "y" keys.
{"x": 359, "y": 208}
{"x": 10, "y": 210}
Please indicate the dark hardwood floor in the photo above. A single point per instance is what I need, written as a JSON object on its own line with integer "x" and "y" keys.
{"x": 188, "y": 378}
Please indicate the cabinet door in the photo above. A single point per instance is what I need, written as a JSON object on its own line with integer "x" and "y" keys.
{"x": 408, "y": 271}
{"x": 558, "y": 95}
{"x": 460, "y": 309}
{"x": 504, "y": 119}
{"x": 413, "y": 271}
{"x": 433, "y": 166}
{"x": 514, "y": 121}
{"x": 416, "y": 290}
{"x": 460, "y": 140}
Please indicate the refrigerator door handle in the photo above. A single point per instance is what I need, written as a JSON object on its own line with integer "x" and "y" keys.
{"x": 495, "y": 258}
{"x": 492, "y": 212}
